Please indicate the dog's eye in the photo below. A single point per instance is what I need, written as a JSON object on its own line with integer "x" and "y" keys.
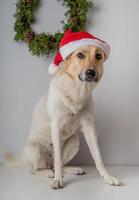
{"x": 80, "y": 55}
{"x": 98, "y": 56}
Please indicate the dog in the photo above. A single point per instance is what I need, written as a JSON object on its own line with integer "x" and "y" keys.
{"x": 52, "y": 140}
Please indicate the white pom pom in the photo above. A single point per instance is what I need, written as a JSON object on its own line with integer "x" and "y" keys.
{"x": 53, "y": 69}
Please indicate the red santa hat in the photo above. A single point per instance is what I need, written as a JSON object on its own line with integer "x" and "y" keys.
{"x": 72, "y": 41}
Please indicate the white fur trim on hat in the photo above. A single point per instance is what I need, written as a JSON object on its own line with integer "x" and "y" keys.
{"x": 67, "y": 49}
{"x": 53, "y": 69}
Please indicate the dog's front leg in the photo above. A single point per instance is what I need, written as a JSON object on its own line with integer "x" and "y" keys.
{"x": 58, "y": 166}
{"x": 89, "y": 131}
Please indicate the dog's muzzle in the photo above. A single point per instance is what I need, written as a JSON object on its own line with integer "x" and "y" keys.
{"x": 88, "y": 75}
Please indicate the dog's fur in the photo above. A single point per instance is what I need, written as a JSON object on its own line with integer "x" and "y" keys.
{"x": 53, "y": 141}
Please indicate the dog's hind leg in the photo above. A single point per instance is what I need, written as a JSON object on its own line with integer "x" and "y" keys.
{"x": 43, "y": 162}
{"x": 37, "y": 156}
{"x": 70, "y": 149}
{"x": 74, "y": 170}
{"x": 44, "y": 172}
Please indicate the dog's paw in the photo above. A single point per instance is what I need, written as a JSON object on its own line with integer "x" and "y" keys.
{"x": 56, "y": 184}
{"x": 112, "y": 180}
{"x": 79, "y": 171}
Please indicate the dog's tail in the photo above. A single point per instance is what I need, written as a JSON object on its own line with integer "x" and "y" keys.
{"x": 11, "y": 161}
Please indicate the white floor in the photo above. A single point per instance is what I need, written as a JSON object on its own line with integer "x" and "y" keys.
{"x": 19, "y": 184}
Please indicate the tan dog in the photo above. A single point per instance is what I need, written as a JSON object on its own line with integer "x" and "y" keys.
{"x": 53, "y": 141}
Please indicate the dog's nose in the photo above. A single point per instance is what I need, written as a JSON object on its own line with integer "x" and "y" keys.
{"x": 90, "y": 73}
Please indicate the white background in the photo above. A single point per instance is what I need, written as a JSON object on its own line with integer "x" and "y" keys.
{"x": 24, "y": 78}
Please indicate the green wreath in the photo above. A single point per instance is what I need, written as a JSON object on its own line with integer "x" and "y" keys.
{"x": 47, "y": 43}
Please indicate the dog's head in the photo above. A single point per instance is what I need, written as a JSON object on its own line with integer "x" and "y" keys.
{"x": 85, "y": 64}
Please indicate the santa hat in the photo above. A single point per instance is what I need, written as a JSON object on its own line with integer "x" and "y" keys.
{"x": 72, "y": 41}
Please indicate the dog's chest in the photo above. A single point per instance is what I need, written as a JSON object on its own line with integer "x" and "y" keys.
{"x": 70, "y": 125}
{"x": 80, "y": 93}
